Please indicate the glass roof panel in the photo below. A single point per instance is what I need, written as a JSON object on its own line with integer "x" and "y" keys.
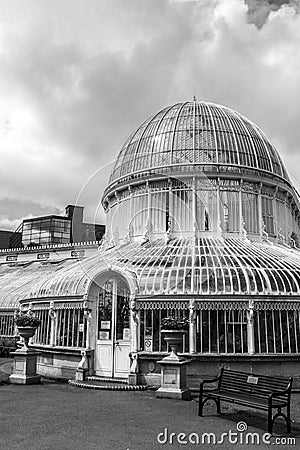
{"x": 183, "y": 266}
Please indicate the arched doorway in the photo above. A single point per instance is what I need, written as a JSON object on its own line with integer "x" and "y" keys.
{"x": 113, "y": 329}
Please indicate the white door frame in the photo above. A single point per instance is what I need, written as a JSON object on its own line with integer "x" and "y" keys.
{"x": 112, "y": 354}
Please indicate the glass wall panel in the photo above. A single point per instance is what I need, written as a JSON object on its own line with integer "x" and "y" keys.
{"x": 277, "y": 331}
{"x": 150, "y": 335}
{"x": 71, "y": 328}
{"x": 229, "y": 211}
{"x": 250, "y": 212}
{"x": 267, "y": 214}
{"x": 7, "y": 326}
{"x": 159, "y": 211}
{"x": 221, "y": 331}
{"x": 182, "y": 201}
{"x": 139, "y": 214}
{"x": 43, "y": 333}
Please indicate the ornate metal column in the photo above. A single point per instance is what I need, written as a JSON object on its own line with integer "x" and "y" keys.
{"x": 134, "y": 338}
{"x": 194, "y": 207}
{"x": 275, "y": 212}
{"x": 260, "y": 216}
{"x": 83, "y": 366}
{"x": 134, "y": 320}
{"x": 192, "y": 330}
{"x": 53, "y": 327}
{"x": 88, "y": 317}
{"x": 241, "y": 210}
{"x": 250, "y": 327}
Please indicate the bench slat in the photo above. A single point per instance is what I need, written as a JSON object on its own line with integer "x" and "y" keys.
{"x": 262, "y": 380}
{"x": 251, "y": 388}
{"x": 239, "y": 380}
{"x": 227, "y": 396}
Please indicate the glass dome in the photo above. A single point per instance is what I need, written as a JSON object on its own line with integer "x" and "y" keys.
{"x": 197, "y": 134}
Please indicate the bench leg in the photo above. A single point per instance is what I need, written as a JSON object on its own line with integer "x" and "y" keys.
{"x": 200, "y": 409}
{"x": 201, "y": 404}
{"x": 288, "y": 419}
{"x": 270, "y": 420}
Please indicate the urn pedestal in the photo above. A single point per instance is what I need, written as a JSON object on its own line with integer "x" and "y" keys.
{"x": 25, "y": 360}
{"x": 173, "y": 369}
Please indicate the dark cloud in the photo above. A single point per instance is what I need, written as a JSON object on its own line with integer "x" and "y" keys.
{"x": 78, "y": 77}
{"x": 12, "y": 212}
{"x": 259, "y": 10}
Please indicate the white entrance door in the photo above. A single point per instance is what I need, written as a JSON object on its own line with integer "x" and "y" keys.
{"x": 113, "y": 333}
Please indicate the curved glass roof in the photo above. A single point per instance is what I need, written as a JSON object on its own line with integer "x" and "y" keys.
{"x": 197, "y": 133}
{"x": 183, "y": 266}
{"x": 17, "y": 281}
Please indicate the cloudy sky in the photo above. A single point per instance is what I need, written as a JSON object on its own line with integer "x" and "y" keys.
{"x": 77, "y": 77}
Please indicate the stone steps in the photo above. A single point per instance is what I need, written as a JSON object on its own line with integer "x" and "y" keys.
{"x": 107, "y": 379}
{"x": 110, "y": 384}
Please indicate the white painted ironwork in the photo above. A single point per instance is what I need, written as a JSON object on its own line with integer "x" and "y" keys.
{"x": 7, "y": 327}
{"x": 231, "y": 133}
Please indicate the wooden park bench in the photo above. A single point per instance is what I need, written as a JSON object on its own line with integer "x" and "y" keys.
{"x": 254, "y": 391}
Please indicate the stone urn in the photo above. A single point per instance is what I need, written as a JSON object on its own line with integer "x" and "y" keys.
{"x": 25, "y": 360}
{"x": 174, "y": 338}
{"x": 26, "y": 333}
{"x": 173, "y": 368}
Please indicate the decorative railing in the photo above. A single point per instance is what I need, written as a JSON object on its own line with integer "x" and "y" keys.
{"x": 49, "y": 247}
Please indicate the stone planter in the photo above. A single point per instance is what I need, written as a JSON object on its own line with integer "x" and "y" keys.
{"x": 174, "y": 338}
{"x": 173, "y": 369}
{"x": 26, "y": 333}
{"x": 25, "y": 360}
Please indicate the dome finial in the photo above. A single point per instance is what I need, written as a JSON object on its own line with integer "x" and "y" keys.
{"x": 194, "y": 98}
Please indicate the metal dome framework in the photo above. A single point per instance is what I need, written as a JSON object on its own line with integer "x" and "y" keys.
{"x": 196, "y": 169}
{"x": 190, "y": 266}
{"x": 197, "y": 133}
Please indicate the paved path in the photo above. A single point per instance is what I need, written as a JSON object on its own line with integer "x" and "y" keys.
{"x": 6, "y": 367}
{"x": 57, "y": 416}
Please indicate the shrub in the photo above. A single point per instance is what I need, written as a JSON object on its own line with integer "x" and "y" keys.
{"x": 27, "y": 319}
{"x": 175, "y": 323}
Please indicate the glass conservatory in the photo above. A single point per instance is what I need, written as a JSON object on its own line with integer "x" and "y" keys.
{"x": 203, "y": 223}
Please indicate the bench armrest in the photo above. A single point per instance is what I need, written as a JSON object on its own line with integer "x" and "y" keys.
{"x": 285, "y": 391}
{"x": 279, "y": 393}
{"x": 212, "y": 380}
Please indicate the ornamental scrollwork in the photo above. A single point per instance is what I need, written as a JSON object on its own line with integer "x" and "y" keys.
{"x": 160, "y": 304}
{"x": 244, "y": 231}
{"x": 104, "y": 242}
{"x": 52, "y": 312}
{"x": 148, "y": 230}
{"x": 264, "y": 234}
{"x": 87, "y": 312}
{"x": 193, "y": 313}
{"x": 134, "y": 362}
{"x": 169, "y": 231}
{"x": 83, "y": 364}
{"x": 128, "y": 237}
{"x": 134, "y": 311}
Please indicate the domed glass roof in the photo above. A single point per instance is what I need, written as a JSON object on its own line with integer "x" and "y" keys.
{"x": 197, "y": 133}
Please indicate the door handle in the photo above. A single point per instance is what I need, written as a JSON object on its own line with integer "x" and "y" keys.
{"x": 117, "y": 343}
